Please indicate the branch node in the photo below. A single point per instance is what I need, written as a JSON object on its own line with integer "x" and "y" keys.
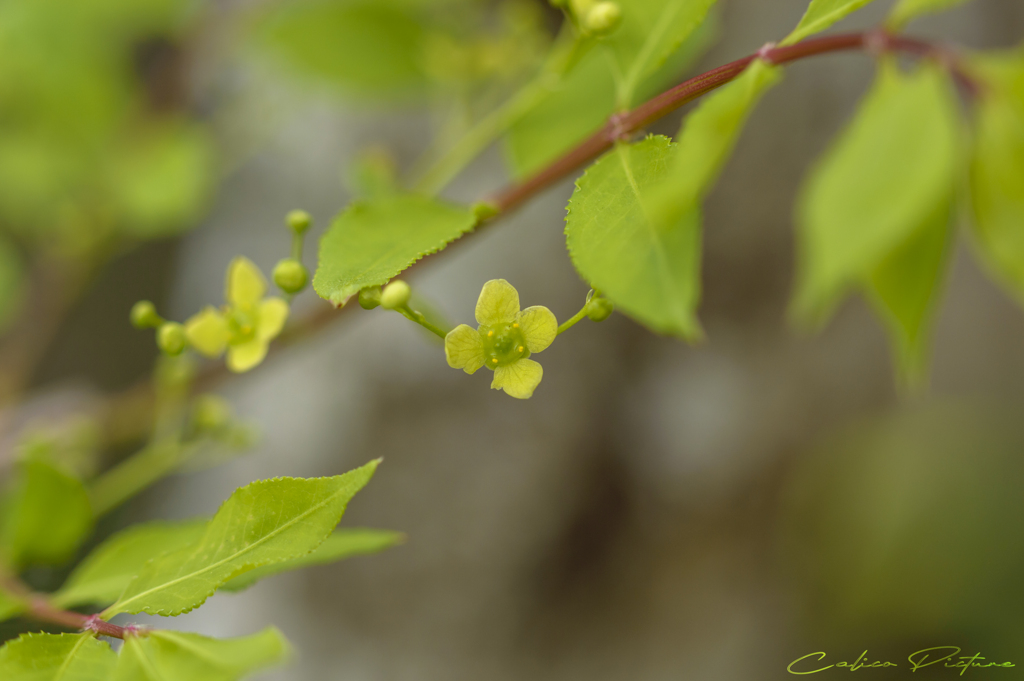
{"x": 93, "y": 623}
{"x": 135, "y": 630}
{"x": 766, "y": 53}
{"x": 619, "y": 124}
{"x": 877, "y": 42}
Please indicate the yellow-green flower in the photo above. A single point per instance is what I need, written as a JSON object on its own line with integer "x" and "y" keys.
{"x": 504, "y": 340}
{"x": 245, "y": 326}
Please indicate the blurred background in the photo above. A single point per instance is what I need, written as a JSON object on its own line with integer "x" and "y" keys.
{"x": 655, "y": 511}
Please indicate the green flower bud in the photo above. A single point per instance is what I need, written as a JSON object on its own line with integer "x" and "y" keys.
{"x": 395, "y": 295}
{"x": 369, "y": 297}
{"x": 290, "y": 275}
{"x": 144, "y": 316}
{"x": 298, "y": 221}
{"x": 599, "y": 309}
{"x": 170, "y": 338}
{"x": 603, "y": 18}
{"x": 210, "y": 413}
{"x": 484, "y": 210}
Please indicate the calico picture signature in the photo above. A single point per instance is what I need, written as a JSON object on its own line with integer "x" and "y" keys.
{"x": 945, "y": 656}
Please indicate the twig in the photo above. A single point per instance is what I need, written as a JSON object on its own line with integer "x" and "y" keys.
{"x": 138, "y": 399}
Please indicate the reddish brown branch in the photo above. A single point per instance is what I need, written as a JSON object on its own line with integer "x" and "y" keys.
{"x": 125, "y": 414}
{"x": 39, "y": 609}
{"x": 623, "y": 125}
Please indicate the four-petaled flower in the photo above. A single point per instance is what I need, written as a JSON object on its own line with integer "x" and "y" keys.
{"x": 504, "y": 340}
{"x": 245, "y": 326}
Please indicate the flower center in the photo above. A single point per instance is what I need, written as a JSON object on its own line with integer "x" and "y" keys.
{"x": 242, "y": 324}
{"x": 503, "y": 344}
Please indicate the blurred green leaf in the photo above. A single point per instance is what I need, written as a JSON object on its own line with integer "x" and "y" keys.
{"x": 47, "y": 515}
{"x": 370, "y": 47}
{"x": 891, "y": 171}
{"x": 583, "y": 101}
{"x": 56, "y": 657}
{"x": 904, "y": 290}
{"x": 161, "y": 181}
{"x": 9, "y": 605}
{"x": 997, "y": 173}
{"x": 908, "y": 526}
{"x": 72, "y": 170}
{"x": 372, "y": 241}
{"x": 707, "y": 138}
{"x": 343, "y": 543}
{"x": 820, "y": 15}
{"x": 265, "y": 522}
{"x": 176, "y": 656}
{"x": 12, "y": 274}
{"x": 103, "y": 575}
{"x": 906, "y": 10}
{"x": 37, "y": 182}
{"x": 649, "y": 269}
{"x": 651, "y": 31}
{"x": 563, "y": 119}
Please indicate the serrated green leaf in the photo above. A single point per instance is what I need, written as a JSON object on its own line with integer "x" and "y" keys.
{"x": 343, "y": 543}
{"x": 904, "y": 290}
{"x": 46, "y": 516}
{"x": 57, "y": 657}
{"x": 369, "y": 47}
{"x": 706, "y": 140}
{"x": 582, "y": 102}
{"x": 175, "y": 656}
{"x": 882, "y": 183}
{"x": 820, "y": 15}
{"x": 651, "y": 31}
{"x": 907, "y": 10}
{"x": 997, "y": 172}
{"x": 372, "y": 241}
{"x": 650, "y": 270}
{"x": 103, "y": 575}
{"x": 268, "y": 521}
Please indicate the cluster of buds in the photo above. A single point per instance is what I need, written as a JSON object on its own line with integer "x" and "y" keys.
{"x": 245, "y": 325}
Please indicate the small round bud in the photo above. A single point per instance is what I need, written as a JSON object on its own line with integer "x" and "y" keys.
{"x": 170, "y": 338}
{"x": 210, "y": 413}
{"x": 599, "y": 309}
{"x": 395, "y": 295}
{"x": 603, "y": 18}
{"x": 369, "y": 297}
{"x": 298, "y": 221}
{"x": 290, "y": 275}
{"x": 144, "y": 316}
{"x": 484, "y": 210}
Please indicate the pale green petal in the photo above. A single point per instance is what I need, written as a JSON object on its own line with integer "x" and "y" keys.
{"x": 272, "y": 315}
{"x": 518, "y": 379}
{"x": 245, "y": 285}
{"x": 539, "y": 327}
{"x": 498, "y": 303}
{"x": 207, "y": 332}
{"x": 464, "y": 348}
{"x": 245, "y": 356}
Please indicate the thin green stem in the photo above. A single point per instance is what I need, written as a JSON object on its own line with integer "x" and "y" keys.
{"x": 497, "y": 122}
{"x": 297, "y": 240}
{"x": 571, "y": 322}
{"x": 421, "y": 319}
{"x": 136, "y": 473}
